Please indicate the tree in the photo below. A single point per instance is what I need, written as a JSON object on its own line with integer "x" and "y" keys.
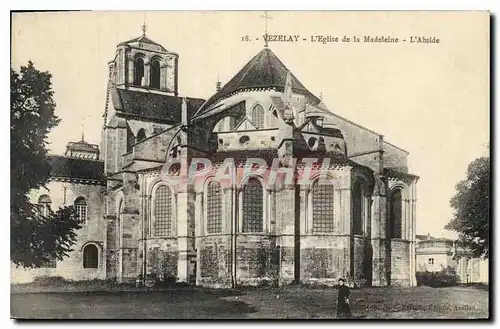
{"x": 35, "y": 239}
{"x": 471, "y": 204}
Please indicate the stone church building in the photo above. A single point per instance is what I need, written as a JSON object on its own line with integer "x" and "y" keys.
{"x": 144, "y": 216}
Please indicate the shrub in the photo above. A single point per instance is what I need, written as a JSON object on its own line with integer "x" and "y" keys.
{"x": 445, "y": 278}
{"x": 49, "y": 280}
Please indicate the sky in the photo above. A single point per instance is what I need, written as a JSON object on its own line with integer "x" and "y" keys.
{"x": 429, "y": 99}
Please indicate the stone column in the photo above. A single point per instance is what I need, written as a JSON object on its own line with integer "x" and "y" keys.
{"x": 345, "y": 220}
{"x": 305, "y": 208}
{"x": 378, "y": 237}
{"x": 163, "y": 74}
{"x": 147, "y": 70}
{"x": 199, "y": 231}
{"x": 413, "y": 233}
{"x": 129, "y": 69}
{"x": 185, "y": 214}
{"x": 286, "y": 217}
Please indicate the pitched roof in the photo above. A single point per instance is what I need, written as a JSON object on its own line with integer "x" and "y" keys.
{"x": 76, "y": 168}
{"x": 264, "y": 70}
{"x": 82, "y": 146}
{"x": 160, "y": 107}
{"x": 143, "y": 39}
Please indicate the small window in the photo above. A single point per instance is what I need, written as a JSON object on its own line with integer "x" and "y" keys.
{"x": 141, "y": 135}
{"x": 312, "y": 142}
{"x": 258, "y": 116}
{"x": 431, "y": 261}
{"x": 44, "y": 203}
{"x": 81, "y": 210}
{"x": 244, "y": 139}
{"x": 90, "y": 256}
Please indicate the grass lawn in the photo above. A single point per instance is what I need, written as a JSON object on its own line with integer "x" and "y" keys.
{"x": 271, "y": 303}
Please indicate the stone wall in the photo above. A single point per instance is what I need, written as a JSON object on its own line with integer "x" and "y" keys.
{"x": 214, "y": 261}
{"x": 257, "y": 259}
{"x": 161, "y": 257}
{"x": 395, "y": 157}
{"x": 323, "y": 259}
{"x": 400, "y": 263}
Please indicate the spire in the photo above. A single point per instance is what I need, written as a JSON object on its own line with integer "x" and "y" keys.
{"x": 266, "y": 17}
{"x": 143, "y": 29}
{"x": 83, "y": 132}
{"x": 321, "y": 96}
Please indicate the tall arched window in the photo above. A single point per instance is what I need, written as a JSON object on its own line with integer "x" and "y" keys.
{"x": 357, "y": 208}
{"x": 155, "y": 74}
{"x": 322, "y": 204}
{"x": 253, "y": 206}
{"x": 214, "y": 208}
{"x": 141, "y": 134}
{"x": 44, "y": 203}
{"x": 81, "y": 210}
{"x": 90, "y": 256}
{"x": 396, "y": 213}
{"x": 138, "y": 71}
{"x": 162, "y": 225}
{"x": 258, "y": 116}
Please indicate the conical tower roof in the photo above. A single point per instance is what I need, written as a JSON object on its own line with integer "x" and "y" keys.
{"x": 264, "y": 70}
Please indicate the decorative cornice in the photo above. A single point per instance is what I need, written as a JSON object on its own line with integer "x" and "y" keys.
{"x": 77, "y": 180}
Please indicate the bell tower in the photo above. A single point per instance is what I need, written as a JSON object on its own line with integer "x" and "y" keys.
{"x": 143, "y": 64}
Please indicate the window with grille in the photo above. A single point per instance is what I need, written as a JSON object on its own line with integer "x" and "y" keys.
{"x": 44, "y": 203}
{"x": 214, "y": 208}
{"x": 357, "y": 208}
{"x": 81, "y": 210}
{"x": 162, "y": 211}
{"x": 90, "y": 256}
{"x": 253, "y": 206}
{"x": 322, "y": 202}
{"x": 431, "y": 261}
{"x": 258, "y": 116}
{"x": 396, "y": 214}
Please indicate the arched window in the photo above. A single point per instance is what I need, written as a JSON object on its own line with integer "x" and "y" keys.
{"x": 90, "y": 256}
{"x": 162, "y": 225}
{"x": 44, "y": 203}
{"x": 258, "y": 116}
{"x": 214, "y": 208}
{"x": 138, "y": 71}
{"x": 396, "y": 207}
{"x": 81, "y": 210}
{"x": 322, "y": 204}
{"x": 141, "y": 134}
{"x": 357, "y": 208}
{"x": 253, "y": 206}
{"x": 154, "y": 75}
